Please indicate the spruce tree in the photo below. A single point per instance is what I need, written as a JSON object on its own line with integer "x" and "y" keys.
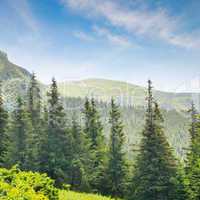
{"x": 155, "y": 170}
{"x": 81, "y": 159}
{"x": 193, "y": 158}
{"x": 34, "y": 101}
{"x": 117, "y": 170}
{"x": 94, "y": 132}
{"x": 21, "y": 137}
{"x": 57, "y": 160}
{"x": 3, "y": 130}
{"x": 34, "y": 110}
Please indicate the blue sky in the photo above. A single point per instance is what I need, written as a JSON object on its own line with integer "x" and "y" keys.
{"x": 129, "y": 40}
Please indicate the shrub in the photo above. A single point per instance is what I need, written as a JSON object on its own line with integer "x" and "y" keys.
{"x": 18, "y": 185}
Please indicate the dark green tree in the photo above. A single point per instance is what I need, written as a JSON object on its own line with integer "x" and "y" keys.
{"x": 117, "y": 170}
{"x": 3, "y": 130}
{"x": 21, "y": 137}
{"x": 193, "y": 159}
{"x": 34, "y": 110}
{"x": 81, "y": 159}
{"x": 155, "y": 169}
{"x": 57, "y": 160}
{"x": 94, "y": 132}
{"x": 34, "y": 100}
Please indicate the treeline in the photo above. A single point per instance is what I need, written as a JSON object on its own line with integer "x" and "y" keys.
{"x": 38, "y": 137}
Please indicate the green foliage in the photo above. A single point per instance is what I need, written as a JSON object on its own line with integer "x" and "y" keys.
{"x": 77, "y": 156}
{"x": 97, "y": 149}
{"x": 21, "y": 138}
{"x": 34, "y": 112}
{"x": 16, "y": 83}
{"x": 58, "y": 144}
{"x": 79, "y": 172}
{"x": 18, "y": 185}
{"x": 155, "y": 171}
{"x": 117, "y": 170}
{"x": 193, "y": 159}
{"x": 3, "y": 130}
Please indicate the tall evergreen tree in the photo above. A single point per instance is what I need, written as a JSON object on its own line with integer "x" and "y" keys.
{"x": 117, "y": 170}
{"x": 155, "y": 171}
{"x": 58, "y": 144}
{"x": 34, "y": 110}
{"x": 3, "y": 130}
{"x": 94, "y": 132}
{"x": 193, "y": 158}
{"x": 34, "y": 100}
{"x": 21, "y": 137}
{"x": 81, "y": 159}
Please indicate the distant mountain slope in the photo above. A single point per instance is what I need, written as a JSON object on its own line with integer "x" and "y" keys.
{"x": 14, "y": 79}
{"x": 126, "y": 93}
{"x": 9, "y": 70}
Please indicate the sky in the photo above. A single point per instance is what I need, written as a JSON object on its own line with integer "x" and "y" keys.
{"x": 127, "y": 40}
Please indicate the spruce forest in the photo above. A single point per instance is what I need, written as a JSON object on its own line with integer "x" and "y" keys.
{"x": 37, "y": 137}
{"x": 99, "y": 100}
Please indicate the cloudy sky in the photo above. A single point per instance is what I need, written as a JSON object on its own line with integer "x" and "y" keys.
{"x": 129, "y": 40}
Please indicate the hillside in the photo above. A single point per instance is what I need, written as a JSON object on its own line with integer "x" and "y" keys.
{"x": 9, "y": 70}
{"x": 131, "y": 97}
{"x": 126, "y": 93}
{"x": 14, "y": 79}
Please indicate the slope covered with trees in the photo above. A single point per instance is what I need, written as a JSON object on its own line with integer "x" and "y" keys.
{"x": 131, "y": 98}
{"x": 40, "y": 136}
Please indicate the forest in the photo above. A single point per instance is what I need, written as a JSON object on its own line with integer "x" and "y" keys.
{"x": 46, "y": 155}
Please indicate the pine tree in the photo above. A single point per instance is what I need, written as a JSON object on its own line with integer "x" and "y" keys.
{"x": 58, "y": 144}
{"x": 34, "y": 101}
{"x": 34, "y": 110}
{"x": 117, "y": 170}
{"x": 193, "y": 158}
{"x": 3, "y": 130}
{"x": 155, "y": 170}
{"x": 94, "y": 132}
{"x": 21, "y": 137}
{"x": 81, "y": 159}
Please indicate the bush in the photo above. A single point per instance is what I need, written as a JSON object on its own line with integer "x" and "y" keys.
{"x": 18, "y": 185}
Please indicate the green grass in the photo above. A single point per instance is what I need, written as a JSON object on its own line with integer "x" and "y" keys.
{"x": 69, "y": 195}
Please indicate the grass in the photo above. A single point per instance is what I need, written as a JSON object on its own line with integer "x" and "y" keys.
{"x": 69, "y": 195}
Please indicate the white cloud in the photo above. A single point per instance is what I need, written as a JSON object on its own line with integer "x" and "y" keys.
{"x": 23, "y": 10}
{"x": 112, "y": 38}
{"x": 83, "y": 36}
{"x": 155, "y": 24}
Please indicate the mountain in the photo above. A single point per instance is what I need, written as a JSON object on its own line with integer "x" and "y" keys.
{"x": 9, "y": 70}
{"x": 126, "y": 93}
{"x": 14, "y": 79}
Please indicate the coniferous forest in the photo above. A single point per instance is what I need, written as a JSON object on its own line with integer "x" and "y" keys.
{"x": 37, "y": 137}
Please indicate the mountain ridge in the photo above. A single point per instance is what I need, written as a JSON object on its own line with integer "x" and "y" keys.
{"x": 176, "y": 123}
{"x": 14, "y": 76}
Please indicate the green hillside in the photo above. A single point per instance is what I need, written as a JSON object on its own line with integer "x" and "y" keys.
{"x": 131, "y": 97}
{"x": 126, "y": 93}
{"x": 13, "y": 78}
{"x": 9, "y": 70}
